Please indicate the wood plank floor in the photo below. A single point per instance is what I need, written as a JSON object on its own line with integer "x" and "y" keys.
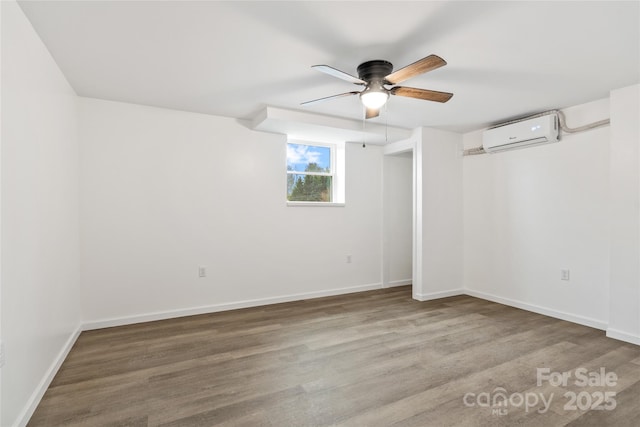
{"x": 375, "y": 358}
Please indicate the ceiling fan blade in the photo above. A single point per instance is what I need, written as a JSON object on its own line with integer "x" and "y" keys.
{"x": 330, "y": 97}
{"x": 339, "y": 74}
{"x": 371, "y": 113}
{"x": 429, "y": 63}
{"x": 428, "y": 95}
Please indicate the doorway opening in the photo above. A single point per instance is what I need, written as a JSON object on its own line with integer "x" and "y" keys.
{"x": 398, "y": 218}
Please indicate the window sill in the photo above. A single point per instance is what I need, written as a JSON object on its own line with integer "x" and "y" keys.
{"x": 316, "y": 204}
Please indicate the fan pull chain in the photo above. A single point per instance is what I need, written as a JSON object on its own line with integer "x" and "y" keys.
{"x": 386, "y": 123}
{"x": 363, "y": 135}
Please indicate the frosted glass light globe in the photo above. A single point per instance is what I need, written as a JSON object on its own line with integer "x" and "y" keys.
{"x": 374, "y": 99}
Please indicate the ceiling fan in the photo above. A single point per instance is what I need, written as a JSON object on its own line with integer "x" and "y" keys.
{"x": 376, "y": 75}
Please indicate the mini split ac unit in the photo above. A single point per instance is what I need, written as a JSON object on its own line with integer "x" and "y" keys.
{"x": 525, "y": 133}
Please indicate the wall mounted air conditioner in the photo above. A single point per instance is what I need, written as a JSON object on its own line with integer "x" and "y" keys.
{"x": 525, "y": 133}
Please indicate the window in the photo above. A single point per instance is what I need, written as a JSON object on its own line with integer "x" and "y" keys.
{"x": 312, "y": 173}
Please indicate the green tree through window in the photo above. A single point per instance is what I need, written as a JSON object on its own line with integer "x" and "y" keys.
{"x": 309, "y": 173}
{"x": 310, "y": 188}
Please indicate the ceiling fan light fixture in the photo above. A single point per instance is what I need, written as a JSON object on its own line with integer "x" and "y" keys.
{"x": 375, "y": 75}
{"x": 373, "y": 98}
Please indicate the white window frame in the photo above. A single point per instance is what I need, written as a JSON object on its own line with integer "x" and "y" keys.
{"x": 337, "y": 150}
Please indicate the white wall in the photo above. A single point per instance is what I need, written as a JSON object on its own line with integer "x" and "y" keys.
{"x": 166, "y": 191}
{"x": 40, "y": 273}
{"x": 398, "y": 214}
{"x": 530, "y": 213}
{"x": 624, "y": 321}
{"x": 440, "y": 164}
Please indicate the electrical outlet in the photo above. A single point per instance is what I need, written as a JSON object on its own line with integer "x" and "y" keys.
{"x": 348, "y": 259}
{"x": 202, "y": 271}
{"x": 564, "y": 274}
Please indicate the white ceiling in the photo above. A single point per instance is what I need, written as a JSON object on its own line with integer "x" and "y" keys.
{"x": 505, "y": 59}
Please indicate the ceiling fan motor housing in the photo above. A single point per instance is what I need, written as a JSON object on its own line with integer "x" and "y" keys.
{"x": 374, "y": 70}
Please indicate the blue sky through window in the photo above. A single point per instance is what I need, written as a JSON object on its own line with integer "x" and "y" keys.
{"x": 300, "y": 155}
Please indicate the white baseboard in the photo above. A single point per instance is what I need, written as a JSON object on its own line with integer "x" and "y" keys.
{"x": 395, "y": 283}
{"x": 581, "y": 320}
{"x": 36, "y": 396}
{"x": 437, "y": 295}
{"x": 623, "y": 336}
{"x": 170, "y": 314}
